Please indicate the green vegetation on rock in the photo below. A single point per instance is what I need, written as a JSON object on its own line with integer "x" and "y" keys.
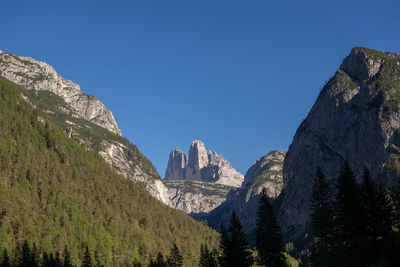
{"x": 88, "y": 134}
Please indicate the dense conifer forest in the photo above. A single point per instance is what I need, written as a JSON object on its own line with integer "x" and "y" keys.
{"x": 57, "y": 197}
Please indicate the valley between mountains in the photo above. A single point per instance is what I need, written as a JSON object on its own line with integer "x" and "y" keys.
{"x": 69, "y": 179}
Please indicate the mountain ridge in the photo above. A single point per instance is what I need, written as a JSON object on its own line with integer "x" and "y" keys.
{"x": 84, "y": 118}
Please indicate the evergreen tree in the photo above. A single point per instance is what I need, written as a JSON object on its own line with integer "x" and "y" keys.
{"x": 236, "y": 251}
{"x": 35, "y": 257}
{"x": 87, "y": 258}
{"x": 6, "y": 259}
{"x": 322, "y": 220}
{"x": 207, "y": 258}
{"x": 322, "y": 207}
{"x": 175, "y": 258}
{"x": 67, "y": 258}
{"x": 57, "y": 259}
{"x": 394, "y": 243}
{"x": 396, "y": 205}
{"x": 268, "y": 235}
{"x": 376, "y": 218}
{"x": 27, "y": 257}
{"x": 224, "y": 246}
{"x": 349, "y": 219}
{"x": 49, "y": 261}
{"x": 45, "y": 259}
{"x": 159, "y": 261}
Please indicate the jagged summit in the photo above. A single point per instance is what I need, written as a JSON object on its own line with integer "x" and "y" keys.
{"x": 201, "y": 165}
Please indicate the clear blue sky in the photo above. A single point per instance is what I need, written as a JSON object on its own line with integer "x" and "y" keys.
{"x": 238, "y": 75}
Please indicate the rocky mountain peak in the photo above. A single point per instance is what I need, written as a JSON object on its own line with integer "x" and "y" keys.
{"x": 198, "y": 157}
{"x": 356, "y": 118}
{"x": 362, "y": 63}
{"x": 177, "y": 163}
{"x": 35, "y": 75}
{"x": 272, "y": 161}
{"x": 201, "y": 165}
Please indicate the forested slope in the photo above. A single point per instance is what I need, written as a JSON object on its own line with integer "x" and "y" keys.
{"x": 54, "y": 193}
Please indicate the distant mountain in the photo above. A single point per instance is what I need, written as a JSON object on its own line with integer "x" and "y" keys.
{"x": 55, "y": 193}
{"x": 196, "y": 196}
{"x": 83, "y": 117}
{"x": 356, "y": 117}
{"x": 199, "y": 182}
{"x": 201, "y": 165}
{"x": 266, "y": 172}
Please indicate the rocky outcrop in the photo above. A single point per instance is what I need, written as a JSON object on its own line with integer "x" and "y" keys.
{"x": 266, "y": 172}
{"x": 36, "y": 75}
{"x": 355, "y": 118}
{"x": 84, "y": 119}
{"x": 196, "y": 196}
{"x": 201, "y": 165}
{"x": 177, "y": 163}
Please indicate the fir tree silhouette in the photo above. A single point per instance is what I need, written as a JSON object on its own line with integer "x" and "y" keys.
{"x": 87, "y": 258}
{"x": 159, "y": 261}
{"x": 234, "y": 245}
{"x": 207, "y": 258}
{"x": 322, "y": 220}
{"x": 6, "y": 259}
{"x": 175, "y": 257}
{"x": 268, "y": 234}
{"x": 67, "y": 258}
{"x": 349, "y": 218}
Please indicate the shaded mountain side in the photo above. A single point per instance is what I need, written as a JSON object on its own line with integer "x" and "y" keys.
{"x": 356, "y": 117}
{"x": 83, "y": 117}
{"x": 266, "y": 172}
{"x": 55, "y": 193}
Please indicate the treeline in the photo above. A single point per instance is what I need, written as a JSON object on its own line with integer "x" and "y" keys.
{"x": 355, "y": 224}
{"x": 29, "y": 256}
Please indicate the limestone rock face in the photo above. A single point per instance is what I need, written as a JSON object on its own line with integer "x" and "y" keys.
{"x": 199, "y": 182}
{"x": 355, "y": 118}
{"x": 177, "y": 163}
{"x": 196, "y": 196}
{"x": 266, "y": 172}
{"x": 36, "y": 75}
{"x": 84, "y": 119}
{"x": 201, "y": 165}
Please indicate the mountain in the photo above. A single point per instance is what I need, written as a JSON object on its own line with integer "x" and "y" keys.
{"x": 266, "y": 172}
{"x": 199, "y": 182}
{"x": 196, "y": 196}
{"x": 356, "y": 117}
{"x": 201, "y": 165}
{"x": 57, "y": 194}
{"x": 83, "y": 117}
